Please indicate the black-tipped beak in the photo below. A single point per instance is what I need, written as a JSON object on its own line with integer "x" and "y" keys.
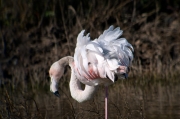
{"x": 57, "y": 94}
{"x": 125, "y": 75}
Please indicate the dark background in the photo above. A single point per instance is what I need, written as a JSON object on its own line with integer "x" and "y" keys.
{"x": 36, "y": 33}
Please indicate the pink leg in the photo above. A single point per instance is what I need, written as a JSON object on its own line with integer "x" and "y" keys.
{"x": 106, "y": 101}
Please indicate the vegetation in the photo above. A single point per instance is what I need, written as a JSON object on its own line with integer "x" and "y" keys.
{"x": 34, "y": 34}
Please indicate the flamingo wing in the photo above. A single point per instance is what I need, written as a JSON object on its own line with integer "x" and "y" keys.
{"x": 102, "y": 57}
{"x": 115, "y": 47}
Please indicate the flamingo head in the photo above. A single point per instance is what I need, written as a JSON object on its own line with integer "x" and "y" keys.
{"x": 56, "y": 71}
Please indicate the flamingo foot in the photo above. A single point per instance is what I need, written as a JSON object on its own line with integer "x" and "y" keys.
{"x": 123, "y": 72}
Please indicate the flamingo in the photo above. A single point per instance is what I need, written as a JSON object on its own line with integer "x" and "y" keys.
{"x": 96, "y": 62}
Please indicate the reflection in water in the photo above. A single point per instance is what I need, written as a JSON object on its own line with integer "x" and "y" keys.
{"x": 163, "y": 102}
{"x": 156, "y": 101}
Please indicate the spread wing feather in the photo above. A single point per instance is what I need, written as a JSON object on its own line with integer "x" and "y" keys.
{"x": 104, "y": 54}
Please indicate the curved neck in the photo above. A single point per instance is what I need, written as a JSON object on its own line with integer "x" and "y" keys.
{"x": 76, "y": 90}
{"x": 75, "y": 86}
{"x": 57, "y": 70}
{"x": 66, "y": 61}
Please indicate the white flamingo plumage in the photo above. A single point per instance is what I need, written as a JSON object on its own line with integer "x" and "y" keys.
{"x": 95, "y": 62}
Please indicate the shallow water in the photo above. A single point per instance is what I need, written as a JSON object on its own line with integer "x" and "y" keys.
{"x": 126, "y": 101}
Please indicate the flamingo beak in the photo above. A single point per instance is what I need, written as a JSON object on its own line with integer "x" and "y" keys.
{"x": 54, "y": 87}
{"x": 57, "y": 94}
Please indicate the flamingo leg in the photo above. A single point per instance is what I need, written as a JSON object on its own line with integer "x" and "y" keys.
{"x": 106, "y": 102}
